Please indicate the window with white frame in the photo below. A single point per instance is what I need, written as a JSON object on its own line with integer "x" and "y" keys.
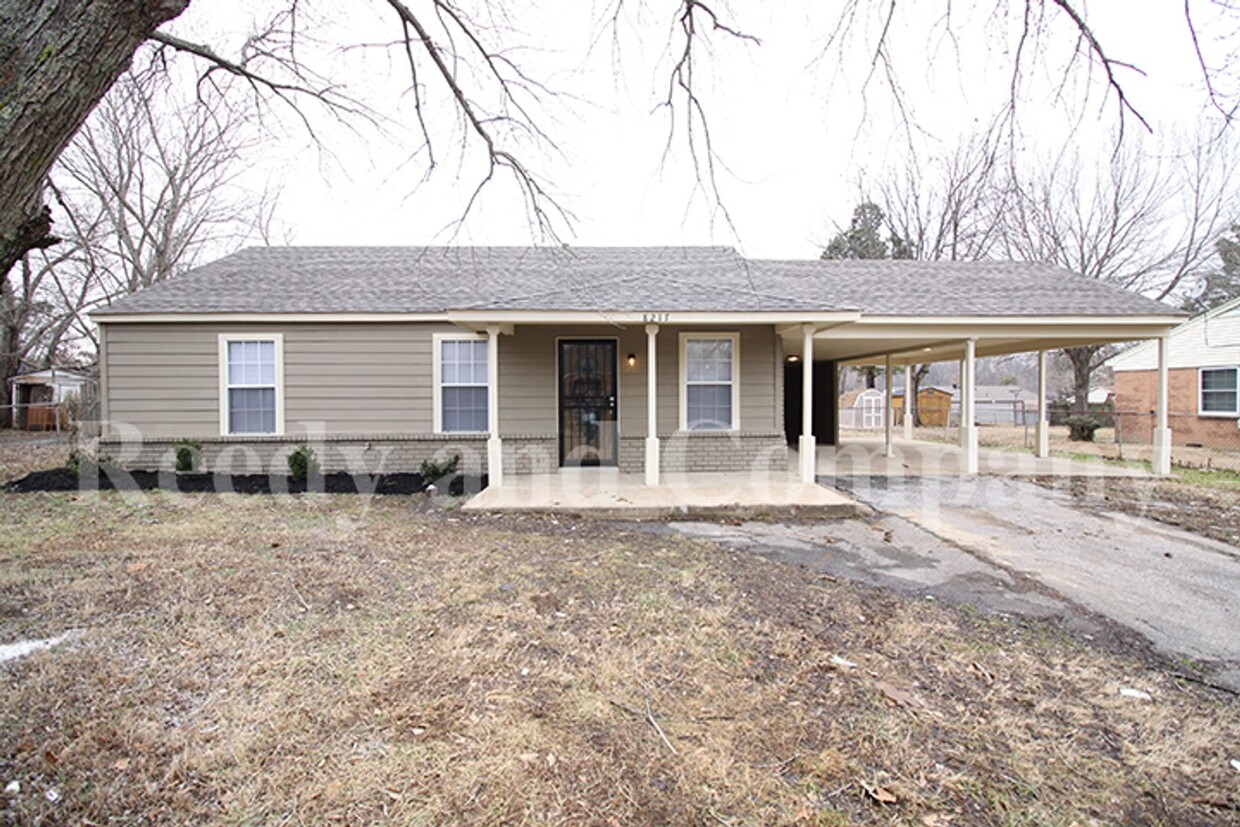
{"x": 251, "y": 385}
{"x": 1220, "y": 392}
{"x": 709, "y": 392}
{"x": 462, "y": 384}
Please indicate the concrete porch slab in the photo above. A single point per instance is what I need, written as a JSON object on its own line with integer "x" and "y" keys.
{"x": 604, "y": 492}
{"x": 914, "y": 458}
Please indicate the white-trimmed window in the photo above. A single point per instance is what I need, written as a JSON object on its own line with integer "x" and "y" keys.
{"x": 461, "y": 393}
{"x": 1220, "y": 391}
{"x": 710, "y": 387}
{"x": 251, "y": 384}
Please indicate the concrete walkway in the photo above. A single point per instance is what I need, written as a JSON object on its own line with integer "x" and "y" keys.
{"x": 605, "y": 491}
{"x": 1009, "y": 546}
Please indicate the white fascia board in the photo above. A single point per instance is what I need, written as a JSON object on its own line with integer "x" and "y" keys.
{"x": 1105, "y": 327}
{"x": 262, "y": 318}
{"x": 468, "y": 318}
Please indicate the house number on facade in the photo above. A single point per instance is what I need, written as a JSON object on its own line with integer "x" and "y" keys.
{"x": 656, "y": 318}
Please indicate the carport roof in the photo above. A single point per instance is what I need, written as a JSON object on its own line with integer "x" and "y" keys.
{"x": 432, "y": 280}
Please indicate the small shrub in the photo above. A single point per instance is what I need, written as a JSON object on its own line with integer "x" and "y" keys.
{"x": 1081, "y": 428}
{"x": 432, "y": 471}
{"x": 188, "y": 456}
{"x": 302, "y": 464}
{"x": 84, "y": 462}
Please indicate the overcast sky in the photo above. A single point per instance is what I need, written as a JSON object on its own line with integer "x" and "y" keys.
{"x": 794, "y": 129}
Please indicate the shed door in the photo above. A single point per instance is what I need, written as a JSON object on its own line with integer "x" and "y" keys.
{"x": 588, "y": 427}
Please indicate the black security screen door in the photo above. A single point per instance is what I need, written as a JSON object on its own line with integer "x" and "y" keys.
{"x": 588, "y": 434}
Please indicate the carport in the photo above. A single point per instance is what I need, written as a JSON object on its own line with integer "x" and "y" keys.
{"x": 893, "y": 341}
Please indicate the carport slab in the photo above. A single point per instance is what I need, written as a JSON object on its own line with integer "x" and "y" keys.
{"x": 915, "y": 458}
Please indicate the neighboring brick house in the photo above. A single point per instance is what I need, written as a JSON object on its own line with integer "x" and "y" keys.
{"x": 1204, "y": 382}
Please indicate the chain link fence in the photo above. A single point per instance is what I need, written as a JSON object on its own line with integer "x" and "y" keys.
{"x": 1206, "y": 443}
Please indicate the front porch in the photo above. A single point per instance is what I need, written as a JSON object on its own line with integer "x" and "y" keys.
{"x": 608, "y": 492}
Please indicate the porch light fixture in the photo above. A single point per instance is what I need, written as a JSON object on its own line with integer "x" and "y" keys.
{"x": 794, "y": 358}
{"x": 632, "y": 360}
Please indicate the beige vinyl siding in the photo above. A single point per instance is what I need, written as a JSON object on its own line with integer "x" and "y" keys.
{"x": 376, "y": 378}
{"x": 528, "y": 371}
{"x": 528, "y": 375}
{"x": 339, "y": 378}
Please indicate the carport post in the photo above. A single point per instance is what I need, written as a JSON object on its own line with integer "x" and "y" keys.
{"x": 1161, "y": 460}
{"x": 889, "y": 423}
{"x": 968, "y": 416}
{"x": 495, "y": 447}
{"x": 911, "y": 403}
{"x": 1044, "y": 436}
{"x": 652, "y": 406}
{"x": 807, "y": 449}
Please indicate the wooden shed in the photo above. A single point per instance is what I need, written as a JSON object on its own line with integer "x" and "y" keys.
{"x": 934, "y": 405}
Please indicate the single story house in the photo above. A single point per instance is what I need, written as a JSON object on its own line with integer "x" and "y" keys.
{"x": 40, "y": 397}
{"x": 526, "y": 360}
{"x": 1204, "y": 375}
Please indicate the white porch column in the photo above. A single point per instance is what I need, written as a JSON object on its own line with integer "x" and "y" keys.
{"x": 968, "y": 428}
{"x": 495, "y": 447}
{"x": 652, "y": 406}
{"x": 1044, "y": 434}
{"x": 910, "y": 402}
{"x": 889, "y": 418}
{"x": 807, "y": 447}
{"x": 1161, "y": 460}
{"x": 961, "y": 411}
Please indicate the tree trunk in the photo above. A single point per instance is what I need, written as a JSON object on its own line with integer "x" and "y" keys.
{"x": 1082, "y": 359}
{"x": 10, "y": 366}
{"x": 912, "y": 391}
{"x": 57, "y": 59}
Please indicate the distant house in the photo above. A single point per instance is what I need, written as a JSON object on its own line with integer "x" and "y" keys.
{"x": 39, "y": 396}
{"x": 1002, "y": 405}
{"x": 934, "y": 405}
{"x": 1204, "y": 389}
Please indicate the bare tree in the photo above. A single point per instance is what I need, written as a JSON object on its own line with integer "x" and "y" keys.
{"x": 142, "y": 192}
{"x": 1144, "y": 222}
{"x": 61, "y": 56}
{"x": 946, "y": 207}
{"x": 28, "y": 322}
{"x": 1038, "y": 38}
{"x": 148, "y": 183}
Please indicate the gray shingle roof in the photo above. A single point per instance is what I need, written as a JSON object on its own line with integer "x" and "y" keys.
{"x": 617, "y": 279}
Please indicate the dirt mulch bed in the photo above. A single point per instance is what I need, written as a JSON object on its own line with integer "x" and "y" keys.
{"x": 1205, "y": 510}
{"x": 63, "y": 479}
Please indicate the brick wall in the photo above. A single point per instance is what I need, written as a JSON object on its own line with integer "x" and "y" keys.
{"x": 523, "y": 453}
{"x": 688, "y": 451}
{"x": 1136, "y": 392}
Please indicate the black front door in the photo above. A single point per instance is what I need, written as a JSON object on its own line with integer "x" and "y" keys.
{"x": 588, "y": 433}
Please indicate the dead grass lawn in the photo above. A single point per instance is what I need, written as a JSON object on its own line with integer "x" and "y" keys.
{"x": 250, "y": 660}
